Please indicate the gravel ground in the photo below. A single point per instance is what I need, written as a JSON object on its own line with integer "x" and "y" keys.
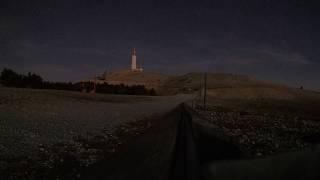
{"x": 265, "y": 134}
{"x": 33, "y": 118}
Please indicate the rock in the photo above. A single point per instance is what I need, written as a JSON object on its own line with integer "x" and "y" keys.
{"x": 245, "y": 137}
{"x": 237, "y": 131}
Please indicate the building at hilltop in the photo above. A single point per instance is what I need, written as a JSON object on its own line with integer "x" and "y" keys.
{"x": 134, "y": 66}
{"x": 130, "y": 77}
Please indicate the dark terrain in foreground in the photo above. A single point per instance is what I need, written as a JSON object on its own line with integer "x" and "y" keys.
{"x": 181, "y": 145}
{"x": 178, "y": 145}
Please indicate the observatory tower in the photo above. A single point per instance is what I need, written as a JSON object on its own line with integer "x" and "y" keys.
{"x": 134, "y": 66}
{"x": 133, "y": 59}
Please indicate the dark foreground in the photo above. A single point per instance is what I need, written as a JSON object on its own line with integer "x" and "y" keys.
{"x": 179, "y": 145}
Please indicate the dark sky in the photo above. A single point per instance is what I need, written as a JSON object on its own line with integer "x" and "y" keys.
{"x": 66, "y": 40}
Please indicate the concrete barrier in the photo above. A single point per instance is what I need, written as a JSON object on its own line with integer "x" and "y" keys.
{"x": 185, "y": 157}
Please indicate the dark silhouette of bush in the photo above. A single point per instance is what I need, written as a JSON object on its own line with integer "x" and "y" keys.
{"x": 10, "y": 78}
{"x": 152, "y": 92}
{"x": 32, "y": 81}
{"x": 121, "y": 89}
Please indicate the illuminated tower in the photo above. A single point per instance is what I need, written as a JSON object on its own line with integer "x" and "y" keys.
{"x": 133, "y": 59}
{"x": 134, "y": 66}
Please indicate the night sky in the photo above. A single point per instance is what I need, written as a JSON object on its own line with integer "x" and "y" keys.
{"x": 70, "y": 40}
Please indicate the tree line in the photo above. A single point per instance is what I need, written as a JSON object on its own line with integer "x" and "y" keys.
{"x": 10, "y": 78}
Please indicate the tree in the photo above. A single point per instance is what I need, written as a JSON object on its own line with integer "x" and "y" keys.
{"x": 33, "y": 80}
{"x": 11, "y": 78}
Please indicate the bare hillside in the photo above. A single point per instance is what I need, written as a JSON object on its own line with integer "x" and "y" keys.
{"x": 245, "y": 93}
{"x": 192, "y": 82}
{"x": 220, "y": 86}
{"x": 188, "y": 83}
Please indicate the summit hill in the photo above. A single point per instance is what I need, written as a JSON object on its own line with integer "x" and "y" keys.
{"x": 219, "y": 85}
